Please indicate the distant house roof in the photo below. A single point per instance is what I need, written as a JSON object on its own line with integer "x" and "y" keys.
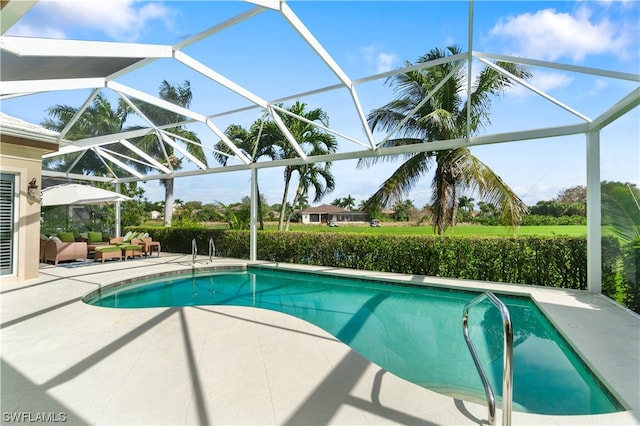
{"x": 325, "y": 208}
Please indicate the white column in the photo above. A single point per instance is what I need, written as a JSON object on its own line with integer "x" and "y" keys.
{"x": 253, "y": 233}
{"x": 117, "y": 220}
{"x": 594, "y": 215}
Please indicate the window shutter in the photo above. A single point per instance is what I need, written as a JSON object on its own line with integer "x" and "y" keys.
{"x": 7, "y": 203}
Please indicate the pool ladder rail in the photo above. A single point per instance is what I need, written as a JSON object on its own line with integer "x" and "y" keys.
{"x": 212, "y": 250}
{"x": 194, "y": 250}
{"x": 507, "y": 373}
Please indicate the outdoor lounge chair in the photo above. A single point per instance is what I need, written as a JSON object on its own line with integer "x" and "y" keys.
{"x": 122, "y": 240}
{"x": 131, "y": 249}
{"x": 95, "y": 239}
{"x": 149, "y": 245}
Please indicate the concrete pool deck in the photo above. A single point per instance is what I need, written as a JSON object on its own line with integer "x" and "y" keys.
{"x": 64, "y": 360}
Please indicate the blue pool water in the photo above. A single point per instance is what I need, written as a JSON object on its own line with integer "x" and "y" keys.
{"x": 413, "y": 332}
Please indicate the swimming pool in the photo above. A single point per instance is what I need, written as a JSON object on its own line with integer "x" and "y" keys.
{"x": 413, "y": 332}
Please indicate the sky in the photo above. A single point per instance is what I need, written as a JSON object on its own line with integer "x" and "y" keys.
{"x": 266, "y": 56}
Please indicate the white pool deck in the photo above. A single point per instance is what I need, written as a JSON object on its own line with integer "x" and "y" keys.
{"x": 62, "y": 359}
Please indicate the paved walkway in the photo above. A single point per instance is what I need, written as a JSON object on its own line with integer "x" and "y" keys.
{"x": 65, "y": 360}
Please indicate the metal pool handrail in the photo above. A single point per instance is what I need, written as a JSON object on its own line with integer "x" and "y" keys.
{"x": 194, "y": 251}
{"x": 507, "y": 373}
{"x": 212, "y": 249}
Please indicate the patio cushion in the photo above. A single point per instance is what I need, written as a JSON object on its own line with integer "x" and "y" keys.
{"x": 95, "y": 237}
{"x": 129, "y": 247}
{"x": 107, "y": 249}
{"x": 66, "y": 237}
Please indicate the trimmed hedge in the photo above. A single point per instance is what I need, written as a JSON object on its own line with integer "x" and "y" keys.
{"x": 544, "y": 261}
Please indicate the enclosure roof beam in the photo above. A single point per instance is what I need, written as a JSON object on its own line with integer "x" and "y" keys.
{"x": 28, "y": 87}
{"x": 558, "y": 66}
{"x": 537, "y": 91}
{"x": 626, "y": 104}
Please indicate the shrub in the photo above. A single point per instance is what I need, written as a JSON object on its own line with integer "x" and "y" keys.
{"x": 541, "y": 220}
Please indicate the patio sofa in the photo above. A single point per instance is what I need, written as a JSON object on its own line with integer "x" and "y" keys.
{"x": 56, "y": 251}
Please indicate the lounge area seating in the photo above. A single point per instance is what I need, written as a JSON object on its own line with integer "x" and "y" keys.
{"x": 64, "y": 247}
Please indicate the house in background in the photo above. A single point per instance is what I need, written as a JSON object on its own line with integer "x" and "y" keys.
{"x": 326, "y": 213}
{"x": 22, "y": 146}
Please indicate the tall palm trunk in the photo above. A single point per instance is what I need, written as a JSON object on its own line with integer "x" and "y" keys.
{"x": 454, "y": 207}
{"x": 260, "y": 215}
{"x": 283, "y": 208}
{"x": 299, "y": 191}
{"x": 440, "y": 200}
{"x": 168, "y": 201}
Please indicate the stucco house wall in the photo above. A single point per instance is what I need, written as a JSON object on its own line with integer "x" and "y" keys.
{"x": 21, "y": 151}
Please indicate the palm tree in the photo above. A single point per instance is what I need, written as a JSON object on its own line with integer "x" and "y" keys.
{"x": 98, "y": 119}
{"x": 443, "y": 117}
{"x": 254, "y": 144}
{"x": 465, "y": 202}
{"x": 348, "y": 202}
{"x": 314, "y": 177}
{"x": 312, "y": 141}
{"x": 180, "y": 95}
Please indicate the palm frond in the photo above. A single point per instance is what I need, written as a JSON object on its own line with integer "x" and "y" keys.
{"x": 479, "y": 177}
{"x": 401, "y": 181}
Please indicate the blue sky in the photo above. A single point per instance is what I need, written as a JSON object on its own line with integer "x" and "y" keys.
{"x": 266, "y": 56}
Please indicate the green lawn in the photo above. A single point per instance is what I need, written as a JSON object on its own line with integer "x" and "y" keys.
{"x": 568, "y": 230}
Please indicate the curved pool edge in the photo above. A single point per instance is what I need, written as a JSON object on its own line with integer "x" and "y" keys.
{"x": 203, "y": 268}
{"x": 560, "y": 306}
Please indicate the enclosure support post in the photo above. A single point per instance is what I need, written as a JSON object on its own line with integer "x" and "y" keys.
{"x": 253, "y": 238}
{"x": 117, "y": 211}
{"x": 594, "y": 215}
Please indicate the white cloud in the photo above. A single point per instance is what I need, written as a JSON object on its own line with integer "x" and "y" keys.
{"x": 120, "y": 20}
{"x": 379, "y": 60}
{"x": 599, "y": 86}
{"x": 548, "y": 34}
{"x": 27, "y": 30}
{"x": 551, "y": 80}
{"x": 544, "y": 81}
